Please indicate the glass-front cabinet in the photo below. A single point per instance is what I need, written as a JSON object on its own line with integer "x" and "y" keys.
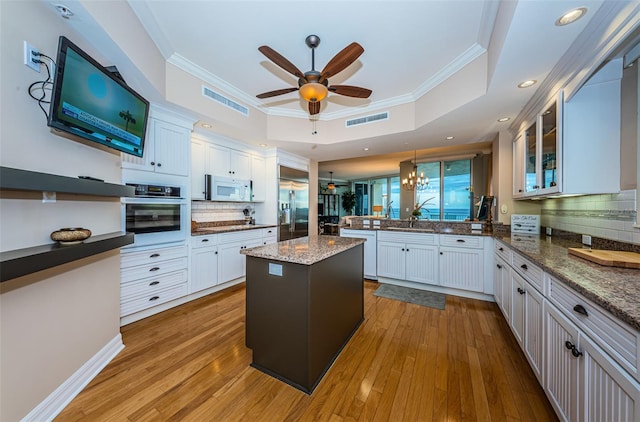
{"x": 531, "y": 159}
{"x": 536, "y": 154}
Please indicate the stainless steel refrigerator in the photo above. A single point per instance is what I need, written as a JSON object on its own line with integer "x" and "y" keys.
{"x": 293, "y": 203}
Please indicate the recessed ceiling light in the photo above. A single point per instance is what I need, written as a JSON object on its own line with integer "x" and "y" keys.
{"x": 504, "y": 119}
{"x": 527, "y": 84}
{"x": 448, "y": 138}
{"x": 262, "y": 145}
{"x": 365, "y": 149}
{"x": 206, "y": 126}
{"x": 571, "y": 16}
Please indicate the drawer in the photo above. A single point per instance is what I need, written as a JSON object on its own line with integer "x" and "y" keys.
{"x": 531, "y": 272}
{"x": 144, "y": 302}
{"x": 404, "y": 237}
{"x": 151, "y": 285}
{"x": 474, "y": 242}
{"x": 614, "y": 336}
{"x": 151, "y": 255}
{"x": 239, "y": 236}
{"x": 503, "y": 252}
{"x": 153, "y": 269}
{"x": 267, "y": 240}
{"x": 204, "y": 241}
{"x": 269, "y": 231}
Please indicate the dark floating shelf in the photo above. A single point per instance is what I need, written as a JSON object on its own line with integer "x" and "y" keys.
{"x": 25, "y": 261}
{"x": 25, "y": 180}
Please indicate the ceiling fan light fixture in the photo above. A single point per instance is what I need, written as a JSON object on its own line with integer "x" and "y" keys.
{"x": 313, "y": 92}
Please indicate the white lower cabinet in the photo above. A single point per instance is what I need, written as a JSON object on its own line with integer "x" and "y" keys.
{"x": 408, "y": 256}
{"x": 151, "y": 277}
{"x": 204, "y": 263}
{"x": 533, "y": 330}
{"x": 585, "y": 360}
{"x": 502, "y": 286}
{"x": 461, "y": 268}
{"x": 563, "y": 379}
{"x": 232, "y": 262}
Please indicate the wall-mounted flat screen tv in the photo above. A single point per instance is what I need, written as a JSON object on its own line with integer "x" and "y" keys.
{"x": 90, "y": 102}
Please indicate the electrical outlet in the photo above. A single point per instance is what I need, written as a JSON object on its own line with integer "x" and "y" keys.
{"x": 548, "y": 231}
{"x": 586, "y": 239}
{"x": 31, "y": 57}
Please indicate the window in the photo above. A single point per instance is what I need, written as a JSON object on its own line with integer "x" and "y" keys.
{"x": 447, "y": 196}
{"x": 384, "y": 191}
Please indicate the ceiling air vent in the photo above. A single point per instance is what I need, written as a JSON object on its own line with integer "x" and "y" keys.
{"x": 224, "y": 101}
{"x": 367, "y": 119}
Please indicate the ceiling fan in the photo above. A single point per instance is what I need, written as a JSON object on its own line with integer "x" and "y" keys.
{"x": 331, "y": 185}
{"x": 313, "y": 85}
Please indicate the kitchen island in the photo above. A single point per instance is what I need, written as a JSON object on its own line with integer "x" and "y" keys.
{"x": 304, "y": 302}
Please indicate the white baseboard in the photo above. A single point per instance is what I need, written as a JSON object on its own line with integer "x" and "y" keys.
{"x": 62, "y": 396}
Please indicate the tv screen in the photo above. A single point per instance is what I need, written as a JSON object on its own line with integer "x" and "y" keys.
{"x": 88, "y": 101}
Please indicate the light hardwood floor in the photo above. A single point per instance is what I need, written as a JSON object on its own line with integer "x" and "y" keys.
{"x": 405, "y": 363}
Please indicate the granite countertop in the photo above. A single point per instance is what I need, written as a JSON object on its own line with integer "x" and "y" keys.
{"x": 304, "y": 250}
{"x": 225, "y": 229}
{"x": 615, "y": 289}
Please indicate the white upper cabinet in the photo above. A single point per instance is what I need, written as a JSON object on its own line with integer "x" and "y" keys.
{"x": 573, "y": 147}
{"x": 227, "y": 162}
{"x": 258, "y": 179}
{"x": 166, "y": 150}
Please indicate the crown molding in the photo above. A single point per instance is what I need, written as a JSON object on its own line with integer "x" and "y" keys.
{"x": 443, "y": 74}
{"x": 594, "y": 45}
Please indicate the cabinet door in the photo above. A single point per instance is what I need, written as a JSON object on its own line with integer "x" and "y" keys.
{"x": 148, "y": 156}
{"x": 549, "y": 121}
{"x": 610, "y": 393}
{"x": 531, "y": 184}
{"x": 461, "y": 268}
{"x": 240, "y": 165}
{"x": 258, "y": 179}
{"x": 421, "y": 263}
{"x": 562, "y": 378}
{"x": 518, "y": 166}
{"x": 171, "y": 149}
{"x": 204, "y": 268}
{"x": 391, "y": 259}
{"x": 198, "y": 163}
{"x": 518, "y": 293}
{"x": 500, "y": 274}
{"x": 218, "y": 161}
{"x": 231, "y": 262}
{"x": 533, "y": 331}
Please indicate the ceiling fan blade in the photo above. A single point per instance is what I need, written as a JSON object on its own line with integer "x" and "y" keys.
{"x": 314, "y": 108}
{"x": 340, "y": 61}
{"x": 276, "y": 92}
{"x": 350, "y": 91}
{"x": 278, "y": 59}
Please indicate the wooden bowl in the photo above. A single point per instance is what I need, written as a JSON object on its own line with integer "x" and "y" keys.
{"x": 70, "y": 236}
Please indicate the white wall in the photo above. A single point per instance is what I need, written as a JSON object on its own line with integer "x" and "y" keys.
{"x": 53, "y": 321}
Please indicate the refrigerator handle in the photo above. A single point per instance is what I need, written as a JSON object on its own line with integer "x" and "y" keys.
{"x": 292, "y": 210}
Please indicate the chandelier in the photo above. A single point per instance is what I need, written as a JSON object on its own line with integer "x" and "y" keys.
{"x": 415, "y": 181}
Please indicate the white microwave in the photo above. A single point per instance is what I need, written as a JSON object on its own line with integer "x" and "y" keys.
{"x": 227, "y": 189}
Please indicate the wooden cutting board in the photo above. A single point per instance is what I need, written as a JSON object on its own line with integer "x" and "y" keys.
{"x": 608, "y": 258}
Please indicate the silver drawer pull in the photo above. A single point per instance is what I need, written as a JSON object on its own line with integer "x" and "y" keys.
{"x": 580, "y": 309}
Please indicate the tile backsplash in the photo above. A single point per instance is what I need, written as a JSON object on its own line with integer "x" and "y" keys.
{"x": 206, "y": 211}
{"x": 609, "y": 216}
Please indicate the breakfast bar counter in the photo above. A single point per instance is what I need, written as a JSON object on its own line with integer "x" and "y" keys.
{"x": 304, "y": 302}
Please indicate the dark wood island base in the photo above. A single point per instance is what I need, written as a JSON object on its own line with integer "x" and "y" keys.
{"x": 301, "y": 311}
